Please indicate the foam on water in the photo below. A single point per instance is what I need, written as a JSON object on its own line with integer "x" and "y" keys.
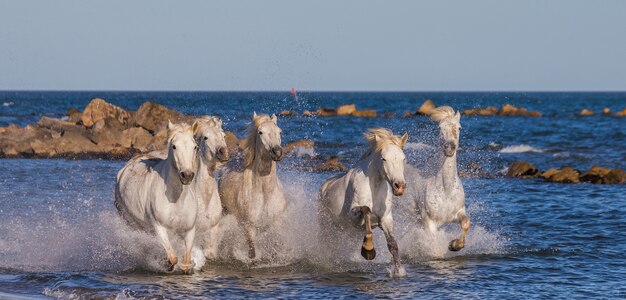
{"x": 519, "y": 149}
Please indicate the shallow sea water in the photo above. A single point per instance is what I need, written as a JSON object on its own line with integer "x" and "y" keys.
{"x": 60, "y": 236}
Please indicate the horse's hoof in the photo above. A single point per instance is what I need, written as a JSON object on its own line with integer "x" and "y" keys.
{"x": 368, "y": 254}
{"x": 456, "y": 245}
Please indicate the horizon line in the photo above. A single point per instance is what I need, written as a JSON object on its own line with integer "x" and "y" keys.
{"x": 308, "y": 91}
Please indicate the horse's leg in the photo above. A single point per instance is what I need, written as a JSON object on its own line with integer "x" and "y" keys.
{"x": 172, "y": 259}
{"x": 211, "y": 242}
{"x": 458, "y": 244}
{"x": 189, "y": 238}
{"x": 367, "y": 249}
{"x": 387, "y": 225}
{"x": 250, "y": 236}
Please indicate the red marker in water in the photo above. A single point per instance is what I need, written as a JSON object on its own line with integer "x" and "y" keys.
{"x": 293, "y": 91}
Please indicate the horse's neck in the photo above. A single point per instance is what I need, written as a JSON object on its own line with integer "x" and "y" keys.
{"x": 448, "y": 173}
{"x": 206, "y": 180}
{"x": 173, "y": 186}
{"x": 376, "y": 181}
{"x": 264, "y": 169}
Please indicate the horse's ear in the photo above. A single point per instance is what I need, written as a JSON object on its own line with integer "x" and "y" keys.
{"x": 169, "y": 125}
{"x": 194, "y": 126}
{"x": 274, "y": 119}
{"x": 404, "y": 138}
{"x": 218, "y": 121}
{"x": 458, "y": 116}
{"x": 254, "y": 115}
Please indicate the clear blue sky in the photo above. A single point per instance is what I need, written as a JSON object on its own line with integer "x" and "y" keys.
{"x": 313, "y": 45}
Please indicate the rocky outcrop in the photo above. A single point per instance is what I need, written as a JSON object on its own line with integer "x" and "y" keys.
{"x": 606, "y": 111}
{"x": 506, "y": 110}
{"x": 342, "y": 110}
{"x": 345, "y": 110}
{"x": 596, "y": 174}
{"x": 370, "y": 113}
{"x": 98, "y": 109}
{"x": 102, "y": 130}
{"x": 621, "y": 113}
{"x": 522, "y": 169}
{"x": 286, "y": 113}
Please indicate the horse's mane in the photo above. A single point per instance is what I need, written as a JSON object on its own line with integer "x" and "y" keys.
{"x": 442, "y": 113}
{"x": 205, "y": 122}
{"x": 385, "y": 137}
{"x": 174, "y": 129}
{"x": 248, "y": 144}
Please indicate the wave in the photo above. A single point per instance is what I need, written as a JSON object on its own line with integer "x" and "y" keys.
{"x": 7, "y": 104}
{"x": 520, "y": 149}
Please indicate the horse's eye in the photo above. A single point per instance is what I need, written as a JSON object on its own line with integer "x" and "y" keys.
{"x": 174, "y": 147}
{"x": 384, "y": 159}
{"x": 206, "y": 138}
{"x": 260, "y": 132}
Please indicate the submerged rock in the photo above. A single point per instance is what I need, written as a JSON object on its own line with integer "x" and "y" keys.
{"x": 599, "y": 175}
{"x": 287, "y": 113}
{"x": 364, "y": 113}
{"x": 606, "y": 111}
{"x": 586, "y": 113}
{"x": 506, "y": 110}
{"x": 333, "y": 164}
{"x": 344, "y": 110}
{"x": 621, "y": 113}
{"x": 522, "y": 169}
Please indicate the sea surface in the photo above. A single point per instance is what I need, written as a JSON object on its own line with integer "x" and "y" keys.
{"x": 60, "y": 235}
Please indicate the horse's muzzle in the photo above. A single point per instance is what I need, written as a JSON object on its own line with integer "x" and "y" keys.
{"x": 186, "y": 177}
{"x": 398, "y": 188}
{"x": 449, "y": 148}
{"x": 222, "y": 154}
{"x": 276, "y": 153}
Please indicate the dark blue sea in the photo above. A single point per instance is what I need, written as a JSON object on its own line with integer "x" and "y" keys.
{"x": 60, "y": 235}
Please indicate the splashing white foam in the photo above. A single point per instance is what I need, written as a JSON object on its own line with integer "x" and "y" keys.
{"x": 303, "y": 152}
{"x": 520, "y": 149}
{"x": 418, "y": 146}
{"x": 7, "y": 104}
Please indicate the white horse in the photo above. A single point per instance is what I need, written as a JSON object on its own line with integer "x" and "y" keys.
{"x": 213, "y": 151}
{"x": 362, "y": 196}
{"x": 439, "y": 197}
{"x": 154, "y": 194}
{"x": 251, "y": 190}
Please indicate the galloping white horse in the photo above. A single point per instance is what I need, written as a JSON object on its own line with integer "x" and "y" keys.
{"x": 213, "y": 151}
{"x": 362, "y": 196}
{"x": 152, "y": 193}
{"x": 440, "y": 198}
{"x": 251, "y": 191}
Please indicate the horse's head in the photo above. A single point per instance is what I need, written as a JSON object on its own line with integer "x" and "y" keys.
{"x": 390, "y": 158}
{"x": 182, "y": 150}
{"x": 449, "y": 127}
{"x": 268, "y": 135}
{"x": 211, "y": 138}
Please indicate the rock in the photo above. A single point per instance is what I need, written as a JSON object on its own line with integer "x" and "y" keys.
{"x": 307, "y": 113}
{"x": 74, "y": 115}
{"x": 232, "y": 142}
{"x": 615, "y": 176}
{"x": 489, "y": 111}
{"x": 345, "y": 110}
{"x": 326, "y": 112}
{"x": 16, "y": 141}
{"x": 287, "y": 113}
{"x": 333, "y": 164}
{"x": 522, "y": 169}
{"x": 408, "y": 114}
{"x": 548, "y": 173}
{"x": 508, "y": 110}
{"x": 585, "y": 113}
{"x": 606, "y": 111}
{"x": 389, "y": 115}
{"x": 621, "y": 113}
{"x": 153, "y": 117}
{"x": 594, "y": 175}
{"x": 426, "y": 109}
{"x": 472, "y": 170}
{"x": 138, "y": 138}
{"x": 99, "y": 109}
{"x": 565, "y": 175}
{"x": 298, "y": 144}
{"x": 55, "y": 124}
{"x": 364, "y": 113}
{"x": 598, "y": 175}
